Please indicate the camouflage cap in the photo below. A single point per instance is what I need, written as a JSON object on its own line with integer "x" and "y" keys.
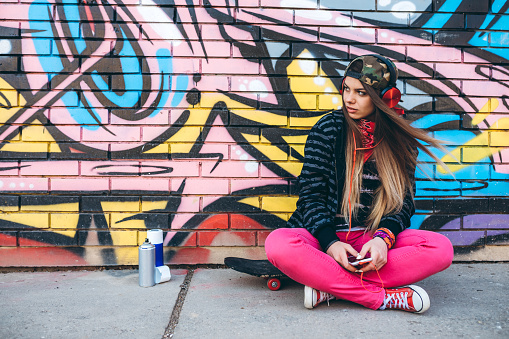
{"x": 374, "y": 71}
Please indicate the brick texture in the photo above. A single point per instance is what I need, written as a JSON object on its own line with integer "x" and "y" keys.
{"x": 192, "y": 118}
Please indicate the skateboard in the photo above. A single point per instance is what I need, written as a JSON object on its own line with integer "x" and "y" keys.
{"x": 257, "y": 268}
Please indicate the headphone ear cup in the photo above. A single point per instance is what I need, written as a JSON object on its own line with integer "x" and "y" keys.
{"x": 391, "y": 96}
{"x": 342, "y": 83}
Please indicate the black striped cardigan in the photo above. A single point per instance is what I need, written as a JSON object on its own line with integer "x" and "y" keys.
{"x": 318, "y": 186}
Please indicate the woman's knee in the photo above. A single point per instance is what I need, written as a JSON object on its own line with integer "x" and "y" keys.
{"x": 275, "y": 241}
{"x": 436, "y": 248}
{"x": 446, "y": 250}
{"x": 282, "y": 243}
{"x": 442, "y": 250}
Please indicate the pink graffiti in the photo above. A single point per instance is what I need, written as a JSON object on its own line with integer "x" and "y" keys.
{"x": 223, "y": 69}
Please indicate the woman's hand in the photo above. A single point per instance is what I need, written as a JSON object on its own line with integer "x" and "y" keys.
{"x": 378, "y": 250}
{"x": 339, "y": 251}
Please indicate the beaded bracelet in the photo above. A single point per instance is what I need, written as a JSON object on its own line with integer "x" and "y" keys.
{"x": 386, "y": 236}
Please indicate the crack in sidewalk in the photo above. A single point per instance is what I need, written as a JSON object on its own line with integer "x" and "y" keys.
{"x": 175, "y": 314}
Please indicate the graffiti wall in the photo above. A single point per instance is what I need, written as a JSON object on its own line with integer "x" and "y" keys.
{"x": 118, "y": 116}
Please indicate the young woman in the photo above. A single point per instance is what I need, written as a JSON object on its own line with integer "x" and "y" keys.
{"x": 356, "y": 200}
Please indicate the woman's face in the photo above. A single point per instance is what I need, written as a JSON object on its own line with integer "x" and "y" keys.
{"x": 357, "y": 102}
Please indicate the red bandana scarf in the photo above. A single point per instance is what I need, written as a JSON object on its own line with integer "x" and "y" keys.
{"x": 368, "y": 136}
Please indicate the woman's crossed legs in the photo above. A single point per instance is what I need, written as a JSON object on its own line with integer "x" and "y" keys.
{"x": 416, "y": 255}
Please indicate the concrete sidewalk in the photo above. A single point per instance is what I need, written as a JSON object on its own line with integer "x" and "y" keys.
{"x": 467, "y": 300}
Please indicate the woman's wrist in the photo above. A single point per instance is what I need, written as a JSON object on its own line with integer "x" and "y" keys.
{"x": 386, "y": 235}
{"x": 330, "y": 244}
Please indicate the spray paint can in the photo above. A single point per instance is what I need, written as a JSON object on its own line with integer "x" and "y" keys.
{"x": 155, "y": 236}
{"x": 147, "y": 264}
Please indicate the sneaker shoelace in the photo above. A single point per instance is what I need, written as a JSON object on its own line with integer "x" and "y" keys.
{"x": 324, "y": 296}
{"x": 396, "y": 300}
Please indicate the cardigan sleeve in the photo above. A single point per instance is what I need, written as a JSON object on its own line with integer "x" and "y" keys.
{"x": 315, "y": 181}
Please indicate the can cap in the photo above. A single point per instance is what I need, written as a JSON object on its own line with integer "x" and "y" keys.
{"x": 155, "y": 236}
{"x": 146, "y": 245}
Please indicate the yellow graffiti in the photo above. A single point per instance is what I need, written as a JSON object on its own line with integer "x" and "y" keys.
{"x": 478, "y": 147}
{"x": 120, "y": 206}
{"x": 26, "y": 147}
{"x": 184, "y": 139}
{"x": 8, "y": 208}
{"x": 499, "y": 139}
{"x": 153, "y": 205}
{"x": 485, "y": 111}
{"x": 296, "y": 142}
{"x": 502, "y": 123}
{"x": 124, "y": 238}
{"x": 37, "y": 133}
{"x": 54, "y": 148}
{"x": 116, "y": 221}
{"x": 279, "y": 204}
{"x": 254, "y": 201}
{"x": 270, "y": 151}
{"x": 304, "y": 122}
{"x": 9, "y": 104}
{"x": 64, "y": 220}
{"x": 161, "y": 148}
{"x": 305, "y": 76}
{"x": 37, "y": 220}
{"x": 127, "y": 255}
{"x": 293, "y": 168}
{"x": 34, "y": 139}
{"x": 251, "y": 138}
{"x": 74, "y": 207}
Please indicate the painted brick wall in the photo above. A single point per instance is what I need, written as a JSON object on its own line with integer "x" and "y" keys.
{"x": 118, "y": 116}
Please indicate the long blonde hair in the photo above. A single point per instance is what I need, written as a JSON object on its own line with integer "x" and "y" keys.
{"x": 395, "y": 157}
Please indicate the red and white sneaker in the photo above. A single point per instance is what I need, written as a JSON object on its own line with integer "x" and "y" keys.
{"x": 409, "y": 298}
{"x": 313, "y": 297}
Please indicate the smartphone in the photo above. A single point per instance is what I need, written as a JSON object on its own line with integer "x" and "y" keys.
{"x": 361, "y": 262}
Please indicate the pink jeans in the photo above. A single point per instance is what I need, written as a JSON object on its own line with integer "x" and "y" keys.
{"x": 416, "y": 255}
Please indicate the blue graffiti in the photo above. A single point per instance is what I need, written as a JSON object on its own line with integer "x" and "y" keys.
{"x": 478, "y": 179}
{"x": 487, "y": 41}
{"x": 127, "y": 63}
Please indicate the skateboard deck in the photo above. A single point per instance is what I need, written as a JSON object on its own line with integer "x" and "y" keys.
{"x": 257, "y": 268}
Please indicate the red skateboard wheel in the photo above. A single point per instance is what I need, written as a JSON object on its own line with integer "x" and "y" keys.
{"x": 274, "y": 284}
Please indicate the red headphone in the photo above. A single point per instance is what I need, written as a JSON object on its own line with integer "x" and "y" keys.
{"x": 390, "y": 95}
